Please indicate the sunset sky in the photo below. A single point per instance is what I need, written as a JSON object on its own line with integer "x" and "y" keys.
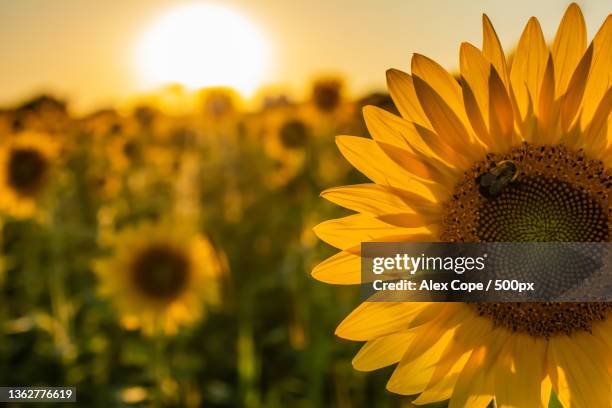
{"x": 86, "y": 50}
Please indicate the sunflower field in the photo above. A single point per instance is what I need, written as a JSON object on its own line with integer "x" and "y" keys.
{"x": 158, "y": 260}
{"x": 212, "y": 257}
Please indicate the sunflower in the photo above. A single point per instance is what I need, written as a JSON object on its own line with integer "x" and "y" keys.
{"x": 549, "y": 114}
{"x": 286, "y": 134}
{"x": 160, "y": 277}
{"x": 26, "y": 162}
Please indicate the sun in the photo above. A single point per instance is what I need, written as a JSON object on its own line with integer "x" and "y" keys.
{"x": 200, "y": 45}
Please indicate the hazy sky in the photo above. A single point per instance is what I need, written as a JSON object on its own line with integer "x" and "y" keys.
{"x": 84, "y": 49}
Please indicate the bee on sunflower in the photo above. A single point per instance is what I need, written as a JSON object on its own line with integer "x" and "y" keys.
{"x": 160, "y": 277}
{"x": 548, "y": 115}
{"x": 26, "y": 165}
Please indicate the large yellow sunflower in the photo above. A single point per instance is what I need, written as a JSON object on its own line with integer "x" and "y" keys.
{"x": 26, "y": 163}
{"x": 160, "y": 276}
{"x": 549, "y": 113}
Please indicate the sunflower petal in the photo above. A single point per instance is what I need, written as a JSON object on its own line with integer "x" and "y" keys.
{"x": 547, "y": 130}
{"x": 383, "y": 351}
{"x": 467, "y": 337}
{"x": 568, "y": 47}
{"x": 404, "y": 96}
{"x": 371, "y": 320}
{"x": 472, "y": 388}
{"x": 521, "y": 366}
{"x": 446, "y": 122}
{"x": 366, "y": 198}
{"x": 528, "y": 67}
{"x": 492, "y": 49}
{"x": 441, "y": 82}
{"x": 573, "y": 98}
{"x": 475, "y": 70}
{"x": 389, "y": 128}
{"x": 380, "y": 125}
{"x": 475, "y": 384}
{"x": 443, "y": 388}
{"x": 426, "y": 168}
{"x": 600, "y": 76}
{"x": 595, "y": 136}
{"x": 367, "y": 157}
{"x": 412, "y": 375}
{"x": 343, "y": 268}
{"x": 501, "y": 114}
{"x": 579, "y": 373}
{"x": 475, "y": 115}
{"x": 350, "y": 231}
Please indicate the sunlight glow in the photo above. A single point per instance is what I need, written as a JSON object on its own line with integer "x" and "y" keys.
{"x": 201, "y": 45}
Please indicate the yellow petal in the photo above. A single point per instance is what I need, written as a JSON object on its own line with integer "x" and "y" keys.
{"x": 367, "y": 157}
{"x": 475, "y": 115}
{"x": 442, "y": 148}
{"x": 344, "y": 268}
{"x": 501, "y": 116}
{"x": 545, "y": 392}
{"x": 446, "y": 123}
{"x": 367, "y": 199}
{"x": 519, "y": 373}
{"x": 568, "y": 46}
{"x": 595, "y": 135}
{"x": 443, "y": 388}
{"x": 600, "y": 77}
{"x": 547, "y": 110}
{"x": 442, "y": 83}
{"x": 472, "y": 388}
{"x": 475, "y": 70}
{"x": 380, "y": 125}
{"x": 579, "y": 373}
{"x": 492, "y": 49}
{"x": 412, "y": 375}
{"x": 423, "y": 167}
{"x": 347, "y": 232}
{"x": 468, "y": 336}
{"x": 389, "y": 128}
{"x": 404, "y": 96}
{"x": 528, "y": 66}
{"x": 383, "y": 351}
{"x": 475, "y": 384}
{"x": 572, "y": 99}
{"x": 371, "y": 320}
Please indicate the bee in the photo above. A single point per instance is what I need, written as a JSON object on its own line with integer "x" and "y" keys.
{"x": 491, "y": 184}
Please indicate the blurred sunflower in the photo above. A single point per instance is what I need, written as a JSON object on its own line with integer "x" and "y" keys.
{"x": 286, "y": 136}
{"x": 549, "y": 114}
{"x": 327, "y": 94}
{"x": 26, "y": 162}
{"x": 160, "y": 277}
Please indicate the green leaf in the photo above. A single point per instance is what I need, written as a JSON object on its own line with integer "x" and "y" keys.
{"x": 554, "y": 401}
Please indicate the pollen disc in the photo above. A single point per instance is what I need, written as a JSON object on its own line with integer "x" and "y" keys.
{"x": 558, "y": 195}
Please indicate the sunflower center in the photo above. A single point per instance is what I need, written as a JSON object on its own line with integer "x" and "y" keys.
{"x": 294, "y": 134}
{"x": 327, "y": 95}
{"x": 26, "y": 170}
{"x": 161, "y": 272}
{"x": 534, "y": 194}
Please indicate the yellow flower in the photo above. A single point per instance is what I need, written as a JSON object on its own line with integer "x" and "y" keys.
{"x": 327, "y": 94}
{"x": 26, "y": 163}
{"x": 549, "y": 113}
{"x": 159, "y": 277}
{"x": 286, "y": 135}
